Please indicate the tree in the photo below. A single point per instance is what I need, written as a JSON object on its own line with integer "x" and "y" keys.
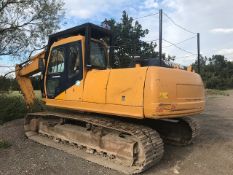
{"x": 203, "y": 63}
{"x": 4, "y": 84}
{"x": 128, "y": 43}
{"x": 8, "y": 84}
{"x": 216, "y": 72}
{"x": 25, "y": 25}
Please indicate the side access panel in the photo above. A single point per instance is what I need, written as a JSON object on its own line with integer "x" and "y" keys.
{"x": 75, "y": 92}
{"x": 126, "y": 86}
{"x": 95, "y": 86}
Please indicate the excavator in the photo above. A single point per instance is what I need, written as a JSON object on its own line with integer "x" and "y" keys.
{"x": 119, "y": 118}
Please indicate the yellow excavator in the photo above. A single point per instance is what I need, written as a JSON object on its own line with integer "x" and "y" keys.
{"x": 119, "y": 118}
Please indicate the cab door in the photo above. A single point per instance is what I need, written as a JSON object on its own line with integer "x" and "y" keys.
{"x": 74, "y": 62}
{"x": 55, "y": 72}
{"x": 65, "y": 72}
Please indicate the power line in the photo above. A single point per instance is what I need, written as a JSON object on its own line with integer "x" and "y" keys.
{"x": 187, "y": 30}
{"x": 6, "y": 66}
{"x": 153, "y": 14}
{"x": 180, "y": 42}
{"x": 151, "y": 40}
{"x": 191, "y": 55}
{"x": 187, "y": 56}
{"x": 179, "y": 47}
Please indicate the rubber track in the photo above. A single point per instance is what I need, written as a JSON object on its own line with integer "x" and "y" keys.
{"x": 150, "y": 140}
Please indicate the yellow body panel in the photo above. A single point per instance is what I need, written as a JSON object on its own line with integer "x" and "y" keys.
{"x": 125, "y": 86}
{"x": 118, "y": 110}
{"x": 75, "y": 92}
{"x": 172, "y": 92}
{"x": 95, "y": 88}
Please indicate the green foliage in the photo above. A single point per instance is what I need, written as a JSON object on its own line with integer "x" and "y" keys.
{"x": 216, "y": 72}
{"x": 4, "y": 144}
{"x": 14, "y": 107}
{"x": 5, "y": 84}
{"x": 8, "y": 84}
{"x": 128, "y": 43}
{"x": 26, "y": 24}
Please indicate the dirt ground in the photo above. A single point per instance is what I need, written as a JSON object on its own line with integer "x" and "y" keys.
{"x": 210, "y": 154}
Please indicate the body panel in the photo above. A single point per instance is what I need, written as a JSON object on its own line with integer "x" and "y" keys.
{"x": 172, "y": 92}
{"x": 126, "y": 86}
{"x": 95, "y": 88}
{"x": 75, "y": 92}
{"x": 117, "y": 110}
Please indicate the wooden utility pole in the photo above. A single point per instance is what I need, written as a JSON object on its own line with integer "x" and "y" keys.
{"x": 160, "y": 35}
{"x": 198, "y": 52}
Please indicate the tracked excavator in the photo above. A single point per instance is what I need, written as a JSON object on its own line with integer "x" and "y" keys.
{"x": 119, "y": 118}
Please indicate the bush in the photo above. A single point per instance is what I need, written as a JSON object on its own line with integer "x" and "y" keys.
{"x": 216, "y": 72}
{"x": 14, "y": 107}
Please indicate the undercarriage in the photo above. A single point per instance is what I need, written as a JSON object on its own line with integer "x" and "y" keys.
{"x": 120, "y": 145}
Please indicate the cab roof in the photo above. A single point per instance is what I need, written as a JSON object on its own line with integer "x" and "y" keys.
{"x": 96, "y": 32}
{"x": 88, "y": 30}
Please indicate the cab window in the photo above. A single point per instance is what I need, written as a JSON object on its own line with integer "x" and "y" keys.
{"x": 74, "y": 59}
{"x": 56, "y": 62}
{"x": 97, "y": 55}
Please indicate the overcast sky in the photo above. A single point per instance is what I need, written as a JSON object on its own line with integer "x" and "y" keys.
{"x": 211, "y": 18}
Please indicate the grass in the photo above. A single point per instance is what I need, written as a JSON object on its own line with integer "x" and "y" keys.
{"x": 217, "y": 92}
{"x": 4, "y": 144}
{"x": 12, "y": 106}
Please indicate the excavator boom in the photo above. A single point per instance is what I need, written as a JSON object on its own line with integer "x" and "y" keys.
{"x": 24, "y": 71}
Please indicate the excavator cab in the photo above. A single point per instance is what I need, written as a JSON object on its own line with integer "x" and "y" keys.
{"x": 70, "y": 53}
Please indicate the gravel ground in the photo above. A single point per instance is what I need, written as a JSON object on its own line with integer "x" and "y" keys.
{"x": 211, "y": 153}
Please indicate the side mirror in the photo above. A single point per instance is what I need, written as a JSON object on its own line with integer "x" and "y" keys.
{"x": 41, "y": 65}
